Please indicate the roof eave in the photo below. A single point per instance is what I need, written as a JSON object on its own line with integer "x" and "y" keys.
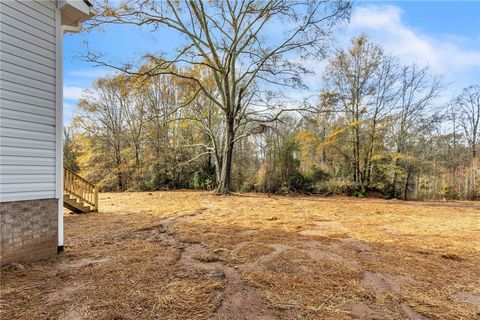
{"x": 74, "y": 13}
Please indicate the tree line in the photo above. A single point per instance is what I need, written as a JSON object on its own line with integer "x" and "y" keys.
{"x": 377, "y": 127}
{"x": 217, "y": 115}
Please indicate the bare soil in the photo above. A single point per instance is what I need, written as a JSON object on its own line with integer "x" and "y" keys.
{"x": 195, "y": 255}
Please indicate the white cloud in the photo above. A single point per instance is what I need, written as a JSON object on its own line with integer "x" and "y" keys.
{"x": 450, "y": 55}
{"x": 72, "y": 92}
{"x": 68, "y": 107}
{"x": 91, "y": 73}
{"x": 384, "y": 25}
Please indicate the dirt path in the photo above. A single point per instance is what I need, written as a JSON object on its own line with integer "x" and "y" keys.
{"x": 239, "y": 301}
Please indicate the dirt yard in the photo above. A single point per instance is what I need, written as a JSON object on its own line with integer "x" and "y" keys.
{"x": 193, "y": 255}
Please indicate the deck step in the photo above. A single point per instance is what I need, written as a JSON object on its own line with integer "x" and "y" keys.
{"x": 75, "y": 206}
{"x": 79, "y": 195}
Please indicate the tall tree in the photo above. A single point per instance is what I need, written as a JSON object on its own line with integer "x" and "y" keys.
{"x": 468, "y": 108}
{"x": 233, "y": 40}
{"x": 361, "y": 89}
{"x": 418, "y": 90}
{"x": 104, "y": 118}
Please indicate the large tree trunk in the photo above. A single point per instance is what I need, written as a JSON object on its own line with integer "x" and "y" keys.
{"x": 407, "y": 183}
{"x": 358, "y": 173}
{"x": 393, "y": 187}
{"x": 118, "y": 162}
{"x": 137, "y": 156}
{"x": 226, "y": 170}
{"x": 218, "y": 169}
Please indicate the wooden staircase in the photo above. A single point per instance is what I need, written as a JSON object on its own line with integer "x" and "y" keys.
{"x": 79, "y": 195}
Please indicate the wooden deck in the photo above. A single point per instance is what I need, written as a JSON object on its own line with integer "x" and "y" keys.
{"x": 79, "y": 194}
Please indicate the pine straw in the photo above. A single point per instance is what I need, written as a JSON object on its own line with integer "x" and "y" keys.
{"x": 306, "y": 256}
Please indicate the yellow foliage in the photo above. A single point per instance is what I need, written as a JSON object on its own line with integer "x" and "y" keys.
{"x": 333, "y": 137}
{"x": 307, "y": 144}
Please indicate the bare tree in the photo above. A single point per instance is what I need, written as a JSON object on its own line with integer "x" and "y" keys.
{"x": 229, "y": 39}
{"x": 468, "y": 108}
{"x": 104, "y": 118}
{"x": 361, "y": 90}
{"x": 418, "y": 90}
{"x": 134, "y": 112}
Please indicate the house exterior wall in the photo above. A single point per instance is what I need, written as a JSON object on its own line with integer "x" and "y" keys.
{"x": 30, "y": 129}
{"x": 28, "y": 230}
{"x": 28, "y": 100}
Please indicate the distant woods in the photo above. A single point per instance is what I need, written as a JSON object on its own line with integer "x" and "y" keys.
{"x": 201, "y": 121}
{"x": 233, "y": 54}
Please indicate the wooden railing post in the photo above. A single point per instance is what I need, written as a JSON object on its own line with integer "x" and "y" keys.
{"x": 96, "y": 199}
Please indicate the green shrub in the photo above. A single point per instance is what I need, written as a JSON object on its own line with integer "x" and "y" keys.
{"x": 338, "y": 186}
{"x": 159, "y": 177}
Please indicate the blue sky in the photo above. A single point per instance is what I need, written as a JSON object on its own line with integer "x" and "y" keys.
{"x": 442, "y": 34}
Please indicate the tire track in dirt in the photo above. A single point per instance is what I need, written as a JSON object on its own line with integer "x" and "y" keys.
{"x": 377, "y": 283}
{"x": 240, "y": 301}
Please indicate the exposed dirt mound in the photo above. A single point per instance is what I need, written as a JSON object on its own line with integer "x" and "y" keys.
{"x": 67, "y": 293}
{"x": 468, "y": 297}
{"x": 362, "y": 311}
{"x": 384, "y": 283}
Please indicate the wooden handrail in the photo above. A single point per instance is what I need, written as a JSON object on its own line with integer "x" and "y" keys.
{"x": 80, "y": 188}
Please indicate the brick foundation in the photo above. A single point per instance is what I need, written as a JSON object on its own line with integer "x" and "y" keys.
{"x": 28, "y": 230}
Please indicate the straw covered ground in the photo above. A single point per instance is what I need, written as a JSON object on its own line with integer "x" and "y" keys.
{"x": 195, "y": 255}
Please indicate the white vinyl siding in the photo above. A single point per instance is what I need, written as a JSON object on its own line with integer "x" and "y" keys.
{"x": 27, "y": 100}
{"x": 9, "y": 112}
